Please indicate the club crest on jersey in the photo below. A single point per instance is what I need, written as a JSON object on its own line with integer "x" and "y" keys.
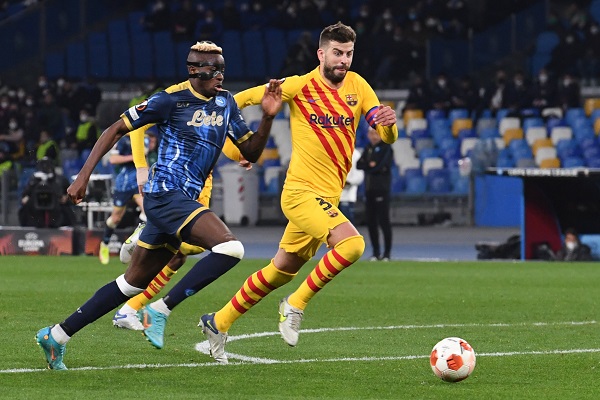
{"x": 200, "y": 118}
{"x": 332, "y": 213}
{"x": 220, "y": 101}
{"x": 351, "y": 99}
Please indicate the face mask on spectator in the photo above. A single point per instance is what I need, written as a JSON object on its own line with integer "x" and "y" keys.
{"x": 83, "y": 117}
{"x": 12, "y": 125}
{"x": 60, "y": 82}
{"x": 21, "y": 94}
{"x": 4, "y": 104}
{"x": 570, "y": 245}
{"x": 543, "y": 78}
{"x": 566, "y": 82}
{"x": 29, "y": 102}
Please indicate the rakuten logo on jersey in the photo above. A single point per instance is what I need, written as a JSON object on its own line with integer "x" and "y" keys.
{"x": 202, "y": 119}
{"x": 329, "y": 121}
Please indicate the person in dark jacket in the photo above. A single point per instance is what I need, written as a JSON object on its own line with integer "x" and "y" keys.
{"x": 572, "y": 248}
{"x": 376, "y": 161}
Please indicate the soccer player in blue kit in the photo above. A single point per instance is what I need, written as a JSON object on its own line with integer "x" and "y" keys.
{"x": 125, "y": 189}
{"x": 194, "y": 118}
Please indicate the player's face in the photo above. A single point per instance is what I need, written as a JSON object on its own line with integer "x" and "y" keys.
{"x": 336, "y": 59}
{"x": 212, "y": 70}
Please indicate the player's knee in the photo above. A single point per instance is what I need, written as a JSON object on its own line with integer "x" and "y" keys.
{"x": 233, "y": 248}
{"x": 126, "y": 288}
{"x": 112, "y": 222}
{"x": 351, "y": 248}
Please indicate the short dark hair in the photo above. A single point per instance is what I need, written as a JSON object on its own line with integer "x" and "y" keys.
{"x": 337, "y": 32}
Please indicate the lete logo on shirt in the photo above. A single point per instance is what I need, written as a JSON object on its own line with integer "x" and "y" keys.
{"x": 200, "y": 118}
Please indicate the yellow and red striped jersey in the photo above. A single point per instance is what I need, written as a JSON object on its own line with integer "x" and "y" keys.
{"x": 323, "y": 124}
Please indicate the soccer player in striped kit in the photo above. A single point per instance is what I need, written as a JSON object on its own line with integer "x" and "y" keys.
{"x": 325, "y": 107}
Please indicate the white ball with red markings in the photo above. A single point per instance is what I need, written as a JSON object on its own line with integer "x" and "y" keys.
{"x": 452, "y": 359}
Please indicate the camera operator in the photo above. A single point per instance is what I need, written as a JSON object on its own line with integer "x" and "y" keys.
{"x": 44, "y": 202}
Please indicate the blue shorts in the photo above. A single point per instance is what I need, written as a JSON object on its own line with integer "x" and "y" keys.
{"x": 167, "y": 214}
{"x": 120, "y": 199}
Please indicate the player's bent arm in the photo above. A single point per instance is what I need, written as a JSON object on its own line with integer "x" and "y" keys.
{"x": 139, "y": 155}
{"x": 252, "y": 146}
{"x": 105, "y": 142}
{"x": 388, "y": 134}
{"x": 231, "y": 151}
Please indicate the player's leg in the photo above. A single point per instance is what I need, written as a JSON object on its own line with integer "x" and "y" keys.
{"x": 320, "y": 219}
{"x": 144, "y": 266}
{"x": 208, "y": 231}
{"x": 129, "y": 244}
{"x": 372, "y": 223}
{"x": 111, "y": 224}
{"x": 127, "y": 316}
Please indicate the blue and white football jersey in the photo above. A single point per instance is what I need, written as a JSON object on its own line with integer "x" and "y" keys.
{"x": 193, "y": 129}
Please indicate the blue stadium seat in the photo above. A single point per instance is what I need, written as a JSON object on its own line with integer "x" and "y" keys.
{"x": 489, "y": 133}
{"x": 253, "y": 45}
{"x": 164, "y": 55}
{"x": 568, "y": 148}
{"x": 416, "y": 185}
{"x": 593, "y": 162}
{"x": 457, "y": 113}
{"x": 97, "y": 45}
{"x": 55, "y": 65}
{"x": 276, "y": 51}
{"x": 505, "y": 162}
{"x": 120, "y": 50}
{"x": 142, "y": 55}
{"x": 501, "y": 113}
{"x": 461, "y": 185}
{"x": 434, "y": 114}
{"x": 573, "y": 114}
{"x": 233, "y": 54}
{"x": 546, "y": 42}
{"x": 412, "y": 172}
{"x": 76, "y": 61}
{"x": 531, "y": 122}
{"x": 438, "y": 181}
{"x": 467, "y": 133}
{"x": 428, "y": 152}
{"x": 572, "y": 162}
{"x": 591, "y": 152}
{"x": 530, "y": 113}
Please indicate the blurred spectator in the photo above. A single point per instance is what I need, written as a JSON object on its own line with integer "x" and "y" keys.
{"x": 565, "y": 54}
{"x": 363, "y": 45}
{"x": 47, "y": 148}
{"x": 349, "y": 196}
{"x": 301, "y": 56}
{"x": 230, "y": 15}
{"x": 569, "y": 92}
{"x": 441, "y": 92}
{"x": 208, "y": 27}
{"x": 157, "y": 17}
{"x": 12, "y": 137}
{"x": 497, "y": 94}
{"x": 572, "y": 248}
{"x": 184, "y": 21}
{"x": 87, "y": 131}
{"x": 49, "y": 115}
{"x": 520, "y": 92}
{"x": 465, "y": 95}
{"x": 419, "y": 95}
{"x": 44, "y": 201}
{"x": 543, "y": 92}
{"x": 395, "y": 57}
{"x": 5, "y": 158}
{"x": 588, "y": 64}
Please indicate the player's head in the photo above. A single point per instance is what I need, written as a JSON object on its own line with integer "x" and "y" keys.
{"x": 336, "y": 49}
{"x": 206, "y": 68}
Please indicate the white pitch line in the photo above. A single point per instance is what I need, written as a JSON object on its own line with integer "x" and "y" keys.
{"x": 203, "y": 347}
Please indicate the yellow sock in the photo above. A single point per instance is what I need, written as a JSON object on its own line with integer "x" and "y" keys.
{"x": 153, "y": 289}
{"x": 257, "y": 286}
{"x": 344, "y": 254}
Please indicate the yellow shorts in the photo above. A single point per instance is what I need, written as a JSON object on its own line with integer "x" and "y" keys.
{"x": 311, "y": 217}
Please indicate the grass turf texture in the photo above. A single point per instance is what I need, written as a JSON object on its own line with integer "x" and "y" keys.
{"x": 346, "y": 364}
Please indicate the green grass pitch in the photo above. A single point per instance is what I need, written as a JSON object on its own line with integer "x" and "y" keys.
{"x": 367, "y": 335}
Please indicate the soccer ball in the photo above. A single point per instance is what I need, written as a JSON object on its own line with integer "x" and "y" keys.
{"x": 452, "y": 359}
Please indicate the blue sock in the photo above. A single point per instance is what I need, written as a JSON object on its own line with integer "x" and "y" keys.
{"x": 107, "y": 234}
{"x": 201, "y": 275}
{"x": 107, "y": 298}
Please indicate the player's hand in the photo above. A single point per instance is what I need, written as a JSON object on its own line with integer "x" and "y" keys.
{"x": 385, "y": 116}
{"x": 271, "y": 101}
{"x": 245, "y": 163}
{"x": 141, "y": 175}
{"x": 76, "y": 190}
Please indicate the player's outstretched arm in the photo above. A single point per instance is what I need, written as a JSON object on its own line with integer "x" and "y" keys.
{"x": 271, "y": 104}
{"x": 76, "y": 191}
